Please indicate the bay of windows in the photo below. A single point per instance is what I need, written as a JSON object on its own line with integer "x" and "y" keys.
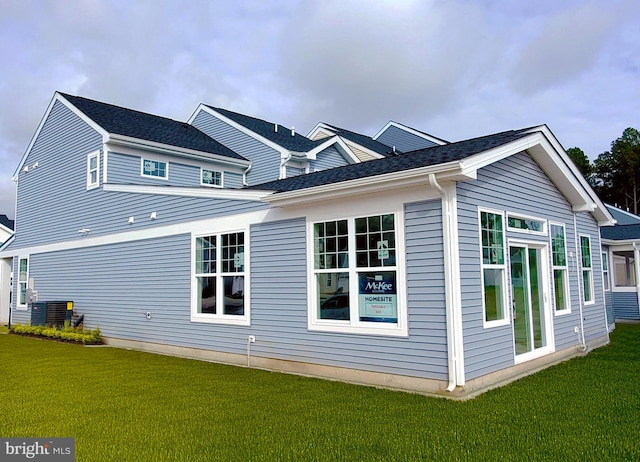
{"x": 355, "y": 272}
{"x": 220, "y": 277}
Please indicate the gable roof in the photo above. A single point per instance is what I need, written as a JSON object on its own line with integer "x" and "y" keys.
{"x": 406, "y": 128}
{"x": 432, "y": 156}
{"x": 149, "y": 127}
{"x": 362, "y": 140}
{"x": 9, "y": 224}
{"x": 282, "y": 137}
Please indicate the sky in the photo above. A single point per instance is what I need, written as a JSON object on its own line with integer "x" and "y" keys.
{"x": 456, "y": 69}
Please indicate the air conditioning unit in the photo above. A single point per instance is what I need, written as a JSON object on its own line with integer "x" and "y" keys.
{"x": 51, "y": 313}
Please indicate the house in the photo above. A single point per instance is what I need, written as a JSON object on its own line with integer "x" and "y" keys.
{"x": 620, "y": 260}
{"x": 6, "y": 231}
{"x": 448, "y": 268}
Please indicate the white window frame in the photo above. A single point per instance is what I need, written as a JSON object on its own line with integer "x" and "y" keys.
{"x": 567, "y": 289}
{"x": 354, "y": 325}
{"x": 606, "y": 280}
{"x": 22, "y": 306}
{"x": 526, "y": 217}
{"x": 589, "y": 270}
{"x": 202, "y": 183}
{"x": 96, "y": 170}
{"x": 506, "y": 319}
{"x": 219, "y": 317}
{"x": 166, "y": 170}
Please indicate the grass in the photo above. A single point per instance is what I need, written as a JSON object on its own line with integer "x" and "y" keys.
{"x": 132, "y": 406}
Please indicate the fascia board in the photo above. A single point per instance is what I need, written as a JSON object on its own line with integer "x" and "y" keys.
{"x": 320, "y": 126}
{"x": 601, "y": 209}
{"x": 5, "y": 229}
{"x": 283, "y": 151}
{"x": 311, "y": 155}
{"x": 253, "y": 195}
{"x": 56, "y": 97}
{"x": 413, "y": 131}
{"x": 378, "y": 183}
{"x": 5, "y": 244}
{"x": 137, "y": 143}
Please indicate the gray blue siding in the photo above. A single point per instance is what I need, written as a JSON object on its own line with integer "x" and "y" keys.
{"x": 265, "y": 161}
{"x": 294, "y": 171}
{"x": 327, "y": 158}
{"x": 403, "y": 140}
{"x": 516, "y": 185}
{"x": 625, "y": 305}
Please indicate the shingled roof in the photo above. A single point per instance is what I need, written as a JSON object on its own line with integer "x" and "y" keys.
{"x": 4, "y": 221}
{"x": 415, "y": 159}
{"x": 620, "y": 232}
{"x": 149, "y": 127}
{"x": 363, "y": 140}
{"x": 282, "y": 137}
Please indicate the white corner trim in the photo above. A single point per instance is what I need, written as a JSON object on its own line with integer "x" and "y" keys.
{"x": 206, "y": 192}
{"x": 320, "y": 127}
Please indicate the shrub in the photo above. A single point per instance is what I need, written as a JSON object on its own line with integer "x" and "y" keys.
{"x": 65, "y": 333}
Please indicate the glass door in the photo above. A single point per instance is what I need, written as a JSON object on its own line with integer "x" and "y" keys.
{"x": 528, "y": 293}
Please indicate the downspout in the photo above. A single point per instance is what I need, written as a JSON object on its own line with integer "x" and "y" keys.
{"x": 453, "y": 299}
{"x": 283, "y": 172}
{"x": 245, "y": 173}
{"x": 579, "y": 277}
{"x": 636, "y": 263}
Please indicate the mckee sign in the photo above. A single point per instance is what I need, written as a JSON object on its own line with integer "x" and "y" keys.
{"x": 377, "y": 296}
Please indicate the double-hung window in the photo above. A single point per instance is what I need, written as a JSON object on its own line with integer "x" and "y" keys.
{"x": 605, "y": 271}
{"x": 210, "y": 177}
{"x": 23, "y": 278}
{"x": 587, "y": 270}
{"x": 493, "y": 265}
{"x": 155, "y": 169}
{"x": 93, "y": 170}
{"x": 219, "y": 293}
{"x": 356, "y": 281}
{"x": 560, "y": 268}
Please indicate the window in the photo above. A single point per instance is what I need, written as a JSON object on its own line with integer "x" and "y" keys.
{"x": 525, "y": 224}
{"x": 493, "y": 268}
{"x": 624, "y": 269}
{"x": 210, "y": 178}
{"x": 587, "y": 273}
{"x": 355, "y": 276}
{"x": 155, "y": 169}
{"x": 23, "y": 278}
{"x": 219, "y": 279}
{"x": 560, "y": 269}
{"x": 605, "y": 271}
{"x": 93, "y": 170}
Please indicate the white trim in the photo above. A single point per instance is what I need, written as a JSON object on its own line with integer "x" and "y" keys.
{"x": 151, "y": 159}
{"x": 22, "y": 306}
{"x": 208, "y": 185}
{"x": 91, "y": 155}
{"x": 567, "y": 278}
{"x": 355, "y": 326}
{"x": 311, "y": 155}
{"x": 608, "y": 271}
{"x": 321, "y": 127}
{"x": 255, "y": 195}
{"x": 105, "y": 163}
{"x": 220, "y": 318}
{"x": 504, "y": 267}
{"x": 413, "y": 131}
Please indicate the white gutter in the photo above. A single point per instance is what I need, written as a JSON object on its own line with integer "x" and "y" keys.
{"x": 579, "y": 277}
{"x": 283, "y": 170}
{"x": 245, "y": 173}
{"x": 453, "y": 300}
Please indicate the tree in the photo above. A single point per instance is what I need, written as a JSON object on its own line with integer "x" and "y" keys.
{"x": 581, "y": 160}
{"x": 618, "y": 172}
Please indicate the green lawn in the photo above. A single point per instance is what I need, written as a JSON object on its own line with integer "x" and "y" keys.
{"x": 129, "y": 406}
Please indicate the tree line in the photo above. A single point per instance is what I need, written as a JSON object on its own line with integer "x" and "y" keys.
{"x": 615, "y": 174}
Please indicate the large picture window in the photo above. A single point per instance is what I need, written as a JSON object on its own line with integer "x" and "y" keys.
{"x": 355, "y": 275}
{"x": 493, "y": 267}
{"x": 219, "y": 278}
{"x": 587, "y": 270}
{"x": 560, "y": 268}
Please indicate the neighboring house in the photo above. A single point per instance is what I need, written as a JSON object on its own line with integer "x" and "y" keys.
{"x": 6, "y": 231}
{"x": 621, "y": 266}
{"x": 449, "y": 269}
